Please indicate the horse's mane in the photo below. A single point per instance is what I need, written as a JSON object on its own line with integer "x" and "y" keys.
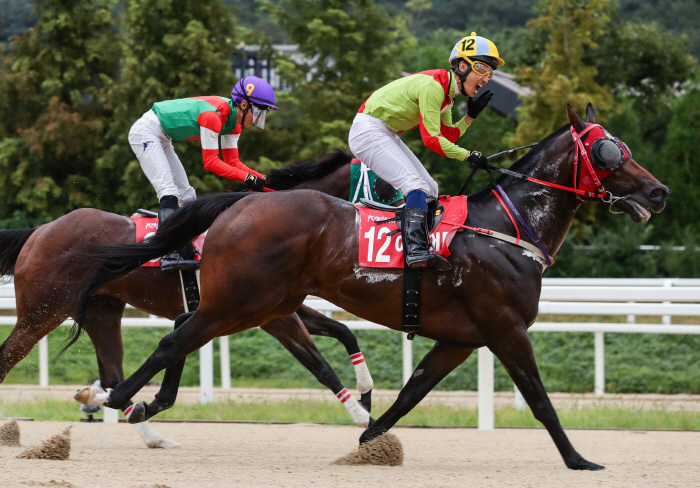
{"x": 302, "y": 171}
{"x": 524, "y": 164}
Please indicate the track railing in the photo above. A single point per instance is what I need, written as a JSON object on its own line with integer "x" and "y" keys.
{"x": 560, "y": 296}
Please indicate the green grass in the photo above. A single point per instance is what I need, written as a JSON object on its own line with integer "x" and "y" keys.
{"x": 315, "y": 411}
{"x": 634, "y": 363}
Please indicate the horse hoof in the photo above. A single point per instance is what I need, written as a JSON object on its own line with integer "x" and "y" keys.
{"x": 92, "y": 396}
{"x": 136, "y": 413}
{"x": 584, "y": 465}
{"x": 164, "y": 443}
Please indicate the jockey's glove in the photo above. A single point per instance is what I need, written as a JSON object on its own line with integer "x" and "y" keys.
{"x": 254, "y": 183}
{"x": 477, "y": 160}
{"x": 476, "y": 105}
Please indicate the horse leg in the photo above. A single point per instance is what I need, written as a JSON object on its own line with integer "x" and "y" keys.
{"x": 103, "y": 326}
{"x": 515, "y": 353}
{"x": 318, "y": 324}
{"x": 437, "y": 364}
{"x": 166, "y": 396}
{"x": 30, "y": 329}
{"x": 292, "y": 334}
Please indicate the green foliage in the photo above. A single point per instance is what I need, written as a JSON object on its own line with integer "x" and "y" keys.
{"x": 635, "y": 363}
{"x": 352, "y": 47}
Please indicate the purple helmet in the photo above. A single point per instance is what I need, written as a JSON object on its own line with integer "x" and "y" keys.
{"x": 254, "y": 90}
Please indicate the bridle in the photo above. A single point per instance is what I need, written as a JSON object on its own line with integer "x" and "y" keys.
{"x": 594, "y": 161}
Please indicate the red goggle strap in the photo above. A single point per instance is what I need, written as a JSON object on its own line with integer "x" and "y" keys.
{"x": 585, "y": 161}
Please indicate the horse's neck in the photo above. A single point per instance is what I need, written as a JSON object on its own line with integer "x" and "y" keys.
{"x": 548, "y": 211}
{"x": 336, "y": 183}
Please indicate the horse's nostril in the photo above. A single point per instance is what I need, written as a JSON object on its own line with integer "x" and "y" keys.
{"x": 658, "y": 193}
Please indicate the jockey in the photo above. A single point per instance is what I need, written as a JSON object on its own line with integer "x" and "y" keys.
{"x": 204, "y": 119}
{"x": 423, "y": 100}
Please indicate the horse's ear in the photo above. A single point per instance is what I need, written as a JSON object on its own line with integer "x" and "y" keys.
{"x": 590, "y": 113}
{"x": 574, "y": 119}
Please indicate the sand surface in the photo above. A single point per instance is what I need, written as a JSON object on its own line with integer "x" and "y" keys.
{"x": 242, "y": 455}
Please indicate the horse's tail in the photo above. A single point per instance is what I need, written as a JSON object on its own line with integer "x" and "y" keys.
{"x": 112, "y": 262}
{"x": 11, "y": 243}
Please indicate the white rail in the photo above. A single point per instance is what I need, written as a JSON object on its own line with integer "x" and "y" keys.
{"x": 567, "y": 296}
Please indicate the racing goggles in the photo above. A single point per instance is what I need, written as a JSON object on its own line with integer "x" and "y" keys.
{"x": 481, "y": 69}
{"x": 259, "y": 115}
{"x": 609, "y": 153}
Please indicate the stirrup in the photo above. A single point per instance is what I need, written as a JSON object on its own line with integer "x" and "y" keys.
{"x": 178, "y": 265}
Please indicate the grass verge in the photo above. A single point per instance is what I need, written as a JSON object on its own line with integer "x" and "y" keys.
{"x": 436, "y": 415}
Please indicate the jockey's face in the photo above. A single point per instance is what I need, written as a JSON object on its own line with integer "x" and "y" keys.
{"x": 248, "y": 117}
{"x": 474, "y": 81}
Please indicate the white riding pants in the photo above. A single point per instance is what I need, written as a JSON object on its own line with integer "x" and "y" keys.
{"x": 154, "y": 150}
{"x": 383, "y": 151}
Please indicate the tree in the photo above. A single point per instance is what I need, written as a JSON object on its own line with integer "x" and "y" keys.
{"x": 53, "y": 84}
{"x": 562, "y": 76}
{"x": 172, "y": 49}
{"x": 351, "y": 48}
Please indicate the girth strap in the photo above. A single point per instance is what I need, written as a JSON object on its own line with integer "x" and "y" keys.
{"x": 411, "y": 300}
{"x": 190, "y": 289}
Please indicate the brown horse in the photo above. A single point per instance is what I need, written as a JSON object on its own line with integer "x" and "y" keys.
{"x": 47, "y": 292}
{"x": 489, "y": 298}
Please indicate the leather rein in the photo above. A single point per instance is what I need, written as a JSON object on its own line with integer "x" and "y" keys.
{"x": 585, "y": 186}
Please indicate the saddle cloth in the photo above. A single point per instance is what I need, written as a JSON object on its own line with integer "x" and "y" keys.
{"x": 380, "y": 250}
{"x": 147, "y": 226}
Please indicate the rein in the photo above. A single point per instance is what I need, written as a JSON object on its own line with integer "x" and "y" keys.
{"x": 594, "y": 190}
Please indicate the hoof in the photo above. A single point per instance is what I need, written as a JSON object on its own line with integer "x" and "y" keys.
{"x": 136, "y": 413}
{"x": 92, "y": 396}
{"x": 584, "y": 465}
{"x": 164, "y": 443}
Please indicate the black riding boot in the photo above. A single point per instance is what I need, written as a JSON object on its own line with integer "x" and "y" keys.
{"x": 183, "y": 258}
{"x": 417, "y": 251}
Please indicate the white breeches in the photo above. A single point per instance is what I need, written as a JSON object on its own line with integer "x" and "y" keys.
{"x": 381, "y": 149}
{"x": 154, "y": 150}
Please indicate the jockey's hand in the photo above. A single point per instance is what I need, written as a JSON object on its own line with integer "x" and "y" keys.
{"x": 477, "y": 160}
{"x": 254, "y": 183}
{"x": 476, "y": 105}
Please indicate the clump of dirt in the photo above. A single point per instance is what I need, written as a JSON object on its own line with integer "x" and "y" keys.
{"x": 57, "y": 448}
{"x": 385, "y": 450}
{"x": 9, "y": 434}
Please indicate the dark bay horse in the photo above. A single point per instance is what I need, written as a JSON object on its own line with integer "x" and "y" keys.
{"x": 47, "y": 293}
{"x": 309, "y": 243}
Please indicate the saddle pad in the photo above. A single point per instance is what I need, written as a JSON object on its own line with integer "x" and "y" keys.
{"x": 379, "y": 250}
{"x": 147, "y": 226}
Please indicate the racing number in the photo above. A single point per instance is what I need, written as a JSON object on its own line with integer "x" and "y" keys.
{"x": 468, "y": 44}
{"x": 380, "y": 257}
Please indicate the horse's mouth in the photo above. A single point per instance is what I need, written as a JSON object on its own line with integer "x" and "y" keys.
{"x": 636, "y": 211}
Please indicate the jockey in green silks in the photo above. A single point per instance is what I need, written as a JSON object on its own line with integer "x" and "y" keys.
{"x": 423, "y": 100}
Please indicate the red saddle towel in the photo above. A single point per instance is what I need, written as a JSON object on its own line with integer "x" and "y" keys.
{"x": 147, "y": 226}
{"x": 380, "y": 250}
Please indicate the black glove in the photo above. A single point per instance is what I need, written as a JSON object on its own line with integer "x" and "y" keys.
{"x": 477, "y": 160}
{"x": 254, "y": 183}
{"x": 476, "y": 105}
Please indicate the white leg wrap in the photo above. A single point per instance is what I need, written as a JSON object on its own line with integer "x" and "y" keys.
{"x": 92, "y": 395}
{"x": 359, "y": 415}
{"x": 364, "y": 379}
{"x": 152, "y": 438}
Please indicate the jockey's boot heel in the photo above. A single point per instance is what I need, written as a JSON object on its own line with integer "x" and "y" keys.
{"x": 415, "y": 238}
{"x": 182, "y": 259}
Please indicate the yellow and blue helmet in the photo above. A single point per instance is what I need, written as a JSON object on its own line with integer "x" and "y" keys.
{"x": 476, "y": 48}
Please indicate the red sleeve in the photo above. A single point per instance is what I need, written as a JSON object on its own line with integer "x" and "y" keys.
{"x": 450, "y": 133}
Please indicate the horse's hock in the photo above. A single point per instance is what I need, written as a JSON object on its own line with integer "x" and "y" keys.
{"x": 385, "y": 450}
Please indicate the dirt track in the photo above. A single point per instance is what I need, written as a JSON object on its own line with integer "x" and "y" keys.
{"x": 218, "y": 455}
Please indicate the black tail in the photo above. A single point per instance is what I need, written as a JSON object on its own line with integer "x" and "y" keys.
{"x": 11, "y": 243}
{"x": 112, "y": 262}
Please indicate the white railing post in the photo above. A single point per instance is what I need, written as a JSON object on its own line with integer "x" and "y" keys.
{"x": 44, "y": 361}
{"x": 407, "y": 358}
{"x": 225, "y": 362}
{"x": 485, "y": 389}
{"x": 110, "y": 416}
{"x": 666, "y": 319}
{"x": 206, "y": 372}
{"x": 599, "y": 340}
{"x": 518, "y": 400}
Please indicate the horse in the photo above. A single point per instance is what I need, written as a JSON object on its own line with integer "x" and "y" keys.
{"x": 309, "y": 242}
{"x": 47, "y": 293}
